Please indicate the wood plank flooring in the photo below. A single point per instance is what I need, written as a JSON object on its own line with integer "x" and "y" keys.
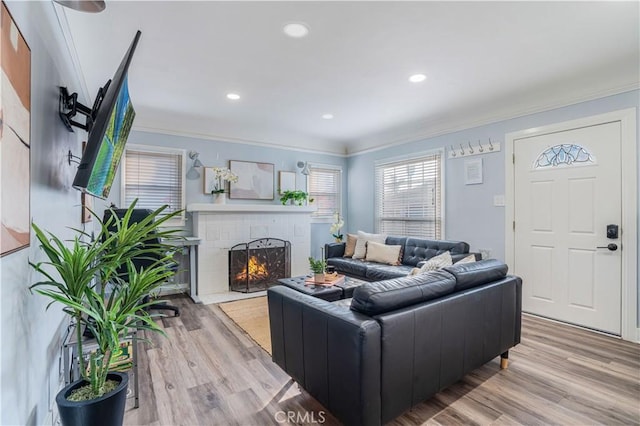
{"x": 209, "y": 372}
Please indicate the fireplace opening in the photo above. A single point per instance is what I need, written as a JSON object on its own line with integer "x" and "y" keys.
{"x": 258, "y": 264}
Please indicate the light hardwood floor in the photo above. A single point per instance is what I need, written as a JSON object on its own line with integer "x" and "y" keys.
{"x": 208, "y": 372}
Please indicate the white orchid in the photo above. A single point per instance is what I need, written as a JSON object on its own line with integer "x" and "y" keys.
{"x": 221, "y": 175}
{"x": 336, "y": 226}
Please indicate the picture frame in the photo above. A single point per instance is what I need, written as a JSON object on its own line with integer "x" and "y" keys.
{"x": 15, "y": 145}
{"x": 473, "y": 171}
{"x": 255, "y": 180}
{"x": 287, "y": 181}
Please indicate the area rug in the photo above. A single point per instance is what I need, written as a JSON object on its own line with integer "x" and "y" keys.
{"x": 252, "y": 316}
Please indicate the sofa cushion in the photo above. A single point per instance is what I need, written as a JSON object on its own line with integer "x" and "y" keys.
{"x": 467, "y": 259}
{"x": 419, "y": 249}
{"x": 349, "y": 266}
{"x": 361, "y": 245}
{"x": 379, "y": 272}
{"x": 469, "y": 275}
{"x": 383, "y": 296}
{"x": 350, "y": 246}
{"x": 382, "y": 253}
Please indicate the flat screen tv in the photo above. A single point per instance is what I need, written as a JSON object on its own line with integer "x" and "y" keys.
{"x": 113, "y": 117}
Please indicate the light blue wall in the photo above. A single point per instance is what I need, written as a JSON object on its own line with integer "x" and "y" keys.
{"x": 216, "y": 153}
{"x": 470, "y": 213}
{"x": 31, "y": 335}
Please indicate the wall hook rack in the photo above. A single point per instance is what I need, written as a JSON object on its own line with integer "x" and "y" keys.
{"x": 474, "y": 149}
{"x": 73, "y": 158}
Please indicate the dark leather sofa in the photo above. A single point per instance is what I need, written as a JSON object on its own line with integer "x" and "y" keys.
{"x": 400, "y": 342}
{"x": 414, "y": 251}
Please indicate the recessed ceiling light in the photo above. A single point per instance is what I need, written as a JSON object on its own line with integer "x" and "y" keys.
{"x": 296, "y": 30}
{"x": 233, "y": 96}
{"x": 417, "y": 78}
{"x": 327, "y": 116}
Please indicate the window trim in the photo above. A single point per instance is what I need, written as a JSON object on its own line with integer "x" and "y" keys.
{"x": 338, "y": 168}
{"x": 407, "y": 157}
{"x": 180, "y": 220}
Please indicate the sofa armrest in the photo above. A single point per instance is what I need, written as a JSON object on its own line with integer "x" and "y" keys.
{"x": 332, "y": 352}
{"x": 334, "y": 250}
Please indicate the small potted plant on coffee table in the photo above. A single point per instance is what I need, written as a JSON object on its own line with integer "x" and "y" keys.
{"x": 317, "y": 267}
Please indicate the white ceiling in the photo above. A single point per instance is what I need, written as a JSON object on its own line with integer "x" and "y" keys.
{"x": 485, "y": 61}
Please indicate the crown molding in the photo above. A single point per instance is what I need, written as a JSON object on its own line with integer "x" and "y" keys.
{"x": 472, "y": 121}
{"x": 228, "y": 139}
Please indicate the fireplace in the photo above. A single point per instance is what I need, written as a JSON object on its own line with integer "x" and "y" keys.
{"x": 256, "y": 265}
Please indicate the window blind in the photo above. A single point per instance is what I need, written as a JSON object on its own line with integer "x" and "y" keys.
{"x": 324, "y": 187}
{"x": 154, "y": 178}
{"x": 408, "y": 197}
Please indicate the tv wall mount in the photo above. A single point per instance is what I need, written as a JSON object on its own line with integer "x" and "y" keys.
{"x": 69, "y": 107}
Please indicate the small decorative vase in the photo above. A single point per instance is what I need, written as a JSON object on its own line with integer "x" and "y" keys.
{"x": 319, "y": 278}
{"x": 338, "y": 240}
{"x": 220, "y": 198}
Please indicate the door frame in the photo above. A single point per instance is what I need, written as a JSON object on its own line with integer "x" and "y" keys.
{"x": 629, "y": 237}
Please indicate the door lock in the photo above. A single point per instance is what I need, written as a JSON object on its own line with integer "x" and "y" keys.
{"x": 610, "y": 246}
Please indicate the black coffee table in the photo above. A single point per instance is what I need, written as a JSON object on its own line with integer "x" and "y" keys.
{"x": 328, "y": 293}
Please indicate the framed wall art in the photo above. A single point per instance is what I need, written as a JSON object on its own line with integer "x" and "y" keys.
{"x": 15, "y": 136}
{"x": 255, "y": 180}
{"x": 287, "y": 182}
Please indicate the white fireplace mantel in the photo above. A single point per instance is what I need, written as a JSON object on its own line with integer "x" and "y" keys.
{"x": 264, "y": 208}
{"x": 221, "y": 226}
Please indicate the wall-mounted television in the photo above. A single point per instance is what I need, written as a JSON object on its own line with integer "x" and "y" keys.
{"x": 108, "y": 124}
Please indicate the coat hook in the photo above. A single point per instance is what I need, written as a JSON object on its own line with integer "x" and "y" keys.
{"x": 453, "y": 151}
{"x": 481, "y": 149}
{"x": 470, "y": 148}
{"x": 490, "y": 145}
{"x": 461, "y": 150}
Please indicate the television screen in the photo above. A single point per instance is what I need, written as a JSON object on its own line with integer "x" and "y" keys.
{"x": 108, "y": 135}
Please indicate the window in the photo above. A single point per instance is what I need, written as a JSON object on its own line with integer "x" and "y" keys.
{"x": 324, "y": 186}
{"x": 155, "y": 177}
{"x": 409, "y": 196}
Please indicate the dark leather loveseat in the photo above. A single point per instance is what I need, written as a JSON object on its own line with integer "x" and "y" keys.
{"x": 414, "y": 251}
{"x": 400, "y": 342}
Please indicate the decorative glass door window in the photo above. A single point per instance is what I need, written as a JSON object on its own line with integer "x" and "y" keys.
{"x": 564, "y": 155}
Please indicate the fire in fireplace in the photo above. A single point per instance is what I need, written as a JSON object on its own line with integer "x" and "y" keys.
{"x": 256, "y": 265}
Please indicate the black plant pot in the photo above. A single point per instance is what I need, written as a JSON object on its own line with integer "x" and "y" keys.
{"x": 108, "y": 410}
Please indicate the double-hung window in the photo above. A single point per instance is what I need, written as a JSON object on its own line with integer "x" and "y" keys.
{"x": 324, "y": 185}
{"x": 409, "y": 196}
{"x": 155, "y": 176}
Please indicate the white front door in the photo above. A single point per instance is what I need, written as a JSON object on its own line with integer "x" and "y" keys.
{"x": 567, "y": 190}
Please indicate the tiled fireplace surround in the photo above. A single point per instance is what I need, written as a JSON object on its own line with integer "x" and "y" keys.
{"x": 221, "y": 226}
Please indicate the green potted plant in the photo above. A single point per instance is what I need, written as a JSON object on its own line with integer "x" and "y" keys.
{"x": 86, "y": 277}
{"x": 298, "y": 197}
{"x": 317, "y": 267}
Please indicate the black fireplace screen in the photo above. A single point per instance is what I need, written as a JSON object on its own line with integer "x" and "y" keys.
{"x": 256, "y": 265}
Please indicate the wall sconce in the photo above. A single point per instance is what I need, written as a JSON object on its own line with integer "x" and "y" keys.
{"x": 305, "y": 168}
{"x": 193, "y": 174}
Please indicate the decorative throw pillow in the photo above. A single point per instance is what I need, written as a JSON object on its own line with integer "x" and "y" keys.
{"x": 350, "y": 246}
{"x": 360, "y": 252}
{"x": 437, "y": 262}
{"x": 469, "y": 259}
{"x": 383, "y": 253}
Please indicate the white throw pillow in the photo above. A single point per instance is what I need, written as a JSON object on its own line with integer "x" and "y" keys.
{"x": 360, "y": 251}
{"x": 437, "y": 262}
{"x": 469, "y": 259}
{"x": 383, "y": 253}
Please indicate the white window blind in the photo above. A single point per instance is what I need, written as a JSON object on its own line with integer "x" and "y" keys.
{"x": 409, "y": 196}
{"x": 324, "y": 187}
{"x": 154, "y": 177}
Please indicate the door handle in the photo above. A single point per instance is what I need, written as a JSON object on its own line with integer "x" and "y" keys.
{"x": 610, "y": 246}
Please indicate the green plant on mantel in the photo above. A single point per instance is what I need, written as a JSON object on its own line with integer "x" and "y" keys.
{"x": 298, "y": 197}
{"x": 317, "y": 266}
